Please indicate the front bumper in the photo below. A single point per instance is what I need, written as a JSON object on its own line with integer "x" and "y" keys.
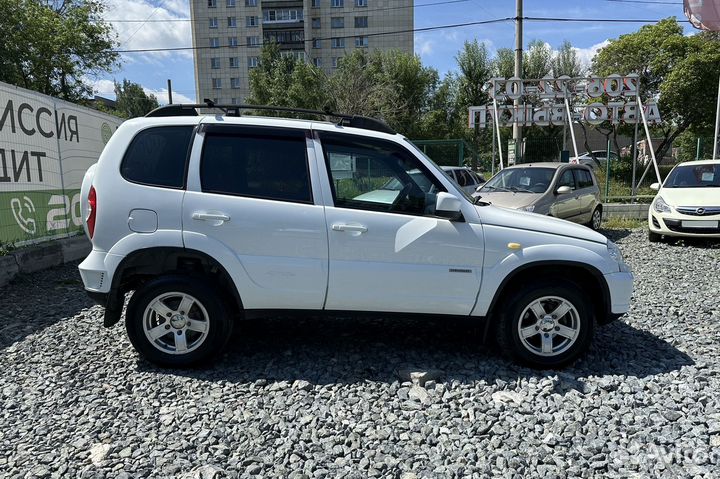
{"x": 677, "y": 224}
{"x": 620, "y": 287}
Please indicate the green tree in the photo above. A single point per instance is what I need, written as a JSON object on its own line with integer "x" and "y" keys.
{"x": 53, "y": 46}
{"x": 504, "y": 63}
{"x": 566, "y": 62}
{"x": 537, "y": 60}
{"x": 679, "y": 71}
{"x": 131, "y": 100}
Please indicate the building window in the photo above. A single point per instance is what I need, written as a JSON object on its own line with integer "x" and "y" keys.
{"x": 253, "y": 41}
{"x": 337, "y": 22}
{"x": 251, "y": 21}
{"x": 233, "y": 101}
{"x": 213, "y": 22}
{"x": 337, "y": 3}
{"x": 284, "y": 15}
{"x": 361, "y": 22}
{"x": 232, "y": 22}
{"x": 214, "y": 63}
{"x": 337, "y": 43}
{"x": 214, "y": 42}
{"x": 234, "y": 62}
{"x": 285, "y": 36}
{"x": 216, "y": 83}
{"x": 212, "y": 3}
{"x": 361, "y": 3}
{"x": 252, "y": 62}
{"x": 361, "y": 42}
{"x": 316, "y": 43}
{"x": 251, "y": 3}
{"x": 232, "y": 41}
{"x": 315, "y": 3}
{"x": 335, "y": 61}
{"x": 316, "y": 22}
{"x": 235, "y": 83}
{"x": 231, "y": 3}
{"x": 317, "y": 62}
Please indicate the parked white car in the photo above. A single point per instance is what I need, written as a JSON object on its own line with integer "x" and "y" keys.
{"x": 600, "y": 160}
{"x": 466, "y": 179}
{"x": 687, "y": 203}
{"x": 213, "y": 219}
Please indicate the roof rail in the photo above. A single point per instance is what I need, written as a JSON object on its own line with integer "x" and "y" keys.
{"x": 191, "y": 109}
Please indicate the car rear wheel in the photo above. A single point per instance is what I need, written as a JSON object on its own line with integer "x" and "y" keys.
{"x": 546, "y": 326}
{"x": 596, "y": 219}
{"x": 177, "y": 321}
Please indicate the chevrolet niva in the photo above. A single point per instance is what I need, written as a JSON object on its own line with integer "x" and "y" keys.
{"x": 210, "y": 219}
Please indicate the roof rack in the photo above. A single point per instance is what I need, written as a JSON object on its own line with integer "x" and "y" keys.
{"x": 191, "y": 109}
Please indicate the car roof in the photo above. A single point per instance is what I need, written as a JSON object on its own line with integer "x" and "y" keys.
{"x": 448, "y": 168}
{"x": 699, "y": 162}
{"x": 547, "y": 164}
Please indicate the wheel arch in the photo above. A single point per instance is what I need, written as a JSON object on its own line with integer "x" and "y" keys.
{"x": 583, "y": 274}
{"x": 146, "y": 263}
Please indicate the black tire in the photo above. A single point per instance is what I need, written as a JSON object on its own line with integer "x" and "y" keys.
{"x": 509, "y": 321}
{"x": 654, "y": 237}
{"x": 208, "y": 310}
{"x": 595, "y": 221}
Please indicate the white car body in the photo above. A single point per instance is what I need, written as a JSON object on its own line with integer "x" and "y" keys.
{"x": 318, "y": 256}
{"x": 687, "y": 210}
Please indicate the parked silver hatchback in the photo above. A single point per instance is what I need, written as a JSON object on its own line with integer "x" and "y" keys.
{"x": 565, "y": 191}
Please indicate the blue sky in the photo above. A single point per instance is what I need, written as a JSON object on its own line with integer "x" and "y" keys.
{"x": 436, "y": 48}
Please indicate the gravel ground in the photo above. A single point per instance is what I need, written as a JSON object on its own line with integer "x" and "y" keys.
{"x": 383, "y": 398}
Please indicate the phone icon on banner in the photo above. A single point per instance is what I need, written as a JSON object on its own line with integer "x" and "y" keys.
{"x": 24, "y": 213}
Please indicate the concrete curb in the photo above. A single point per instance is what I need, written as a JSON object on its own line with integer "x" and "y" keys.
{"x": 635, "y": 211}
{"x": 42, "y": 256}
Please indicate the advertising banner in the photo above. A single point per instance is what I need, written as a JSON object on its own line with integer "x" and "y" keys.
{"x": 46, "y": 145}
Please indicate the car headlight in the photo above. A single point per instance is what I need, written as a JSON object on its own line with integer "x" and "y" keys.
{"x": 614, "y": 252}
{"x": 661, "y": 206}
{"x": 529, "y": 208}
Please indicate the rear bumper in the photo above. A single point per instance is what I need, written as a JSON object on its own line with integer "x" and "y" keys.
{"x": 97, "y": 273}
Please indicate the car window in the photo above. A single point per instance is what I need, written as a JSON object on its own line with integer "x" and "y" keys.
{"x": 463, "y": 178}
{"x": 521, "y": 179}
{"x": 378, "y": 175}
{"x": 475, "y": 177}
{"x": 694, "y": 176}
{"x": 583, "y": 178}
{"x": 567, "y": 179}
{"x": 157, "y": 156}
{"x": 268, "y": 163}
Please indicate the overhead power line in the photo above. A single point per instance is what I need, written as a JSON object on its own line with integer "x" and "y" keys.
{"x": 412, "y": 30}
{"x": 359, "y": 11}
{"x": 655, "y": 2}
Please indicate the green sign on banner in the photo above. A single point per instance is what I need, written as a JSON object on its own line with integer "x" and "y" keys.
{"x": 31, "y": 215}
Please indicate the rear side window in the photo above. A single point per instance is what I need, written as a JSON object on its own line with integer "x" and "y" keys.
{"x": 584, "y": 179}
{"x": 157, "y": 156}
{"x": 267, "y": 163}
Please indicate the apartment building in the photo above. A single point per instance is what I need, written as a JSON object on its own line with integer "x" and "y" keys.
{"x": 228, "y": 36}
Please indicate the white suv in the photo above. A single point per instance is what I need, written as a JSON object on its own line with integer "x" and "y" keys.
{"x": 212, "y": 219}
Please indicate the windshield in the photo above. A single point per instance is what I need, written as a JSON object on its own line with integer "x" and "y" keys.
{"x": 525, "y": 180}
{"x": 694, "y": 176}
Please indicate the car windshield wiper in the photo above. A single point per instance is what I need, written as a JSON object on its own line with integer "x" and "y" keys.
{"x": 517, "y": 188}
{"x": 498, "y": 188}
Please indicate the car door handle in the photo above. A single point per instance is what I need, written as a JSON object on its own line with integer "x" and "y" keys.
{"x": 346, "y": 227}
{"x": 200, "y": 215}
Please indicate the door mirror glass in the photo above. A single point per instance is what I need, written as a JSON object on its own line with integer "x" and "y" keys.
{"x": 563, "y": 190}
{"x": 655, "y": 186}
{"x": 448, "y": 206}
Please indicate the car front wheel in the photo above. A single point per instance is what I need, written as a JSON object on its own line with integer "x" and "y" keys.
{"x": 546, "y": 326}
{"x": 177, "y": 321}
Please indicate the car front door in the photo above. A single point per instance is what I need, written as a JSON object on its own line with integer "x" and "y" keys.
{"x": 387, "y": 249}
{"x": 251, "y": 201}
{"x": 565, "y": 205}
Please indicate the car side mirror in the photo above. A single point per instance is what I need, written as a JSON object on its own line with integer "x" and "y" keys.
{"x": 448, "y": 206}
{"x": 563, "y": 190}
{"x": 655, "y": 186}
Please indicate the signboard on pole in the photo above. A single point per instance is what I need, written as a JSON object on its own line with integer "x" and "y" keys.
{"x": 46, "y": 145}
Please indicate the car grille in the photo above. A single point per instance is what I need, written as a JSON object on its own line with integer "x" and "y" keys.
{"x": 676, "y": 225}
{"x": 699, "y": 210}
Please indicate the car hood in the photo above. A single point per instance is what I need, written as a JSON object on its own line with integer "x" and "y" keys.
{"x": 510, "y": 218}
{"x": 509, "y": 199}
{"x": 691, "y": 196}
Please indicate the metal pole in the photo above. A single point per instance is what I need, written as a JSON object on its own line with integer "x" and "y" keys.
{"x": 517, "y": 129}
{"x": 698, "y": 148}
{"x": 572, "y": 130}
{"x": 461, "y": 154}
{"x": 647, "y": 133}
{"x": 169, "y": 91}
{"x": 492, "y": 159}
{"x": 633, "y": 187}
{"x": 497, "y": 129}
{"x": 717, "y": 124}
{"x": 607, "y": 172}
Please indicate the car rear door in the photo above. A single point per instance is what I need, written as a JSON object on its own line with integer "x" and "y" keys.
{"x": 587, "y": 194}
{"x": 251, "y": 199}
{"x": 391, "y": 253}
